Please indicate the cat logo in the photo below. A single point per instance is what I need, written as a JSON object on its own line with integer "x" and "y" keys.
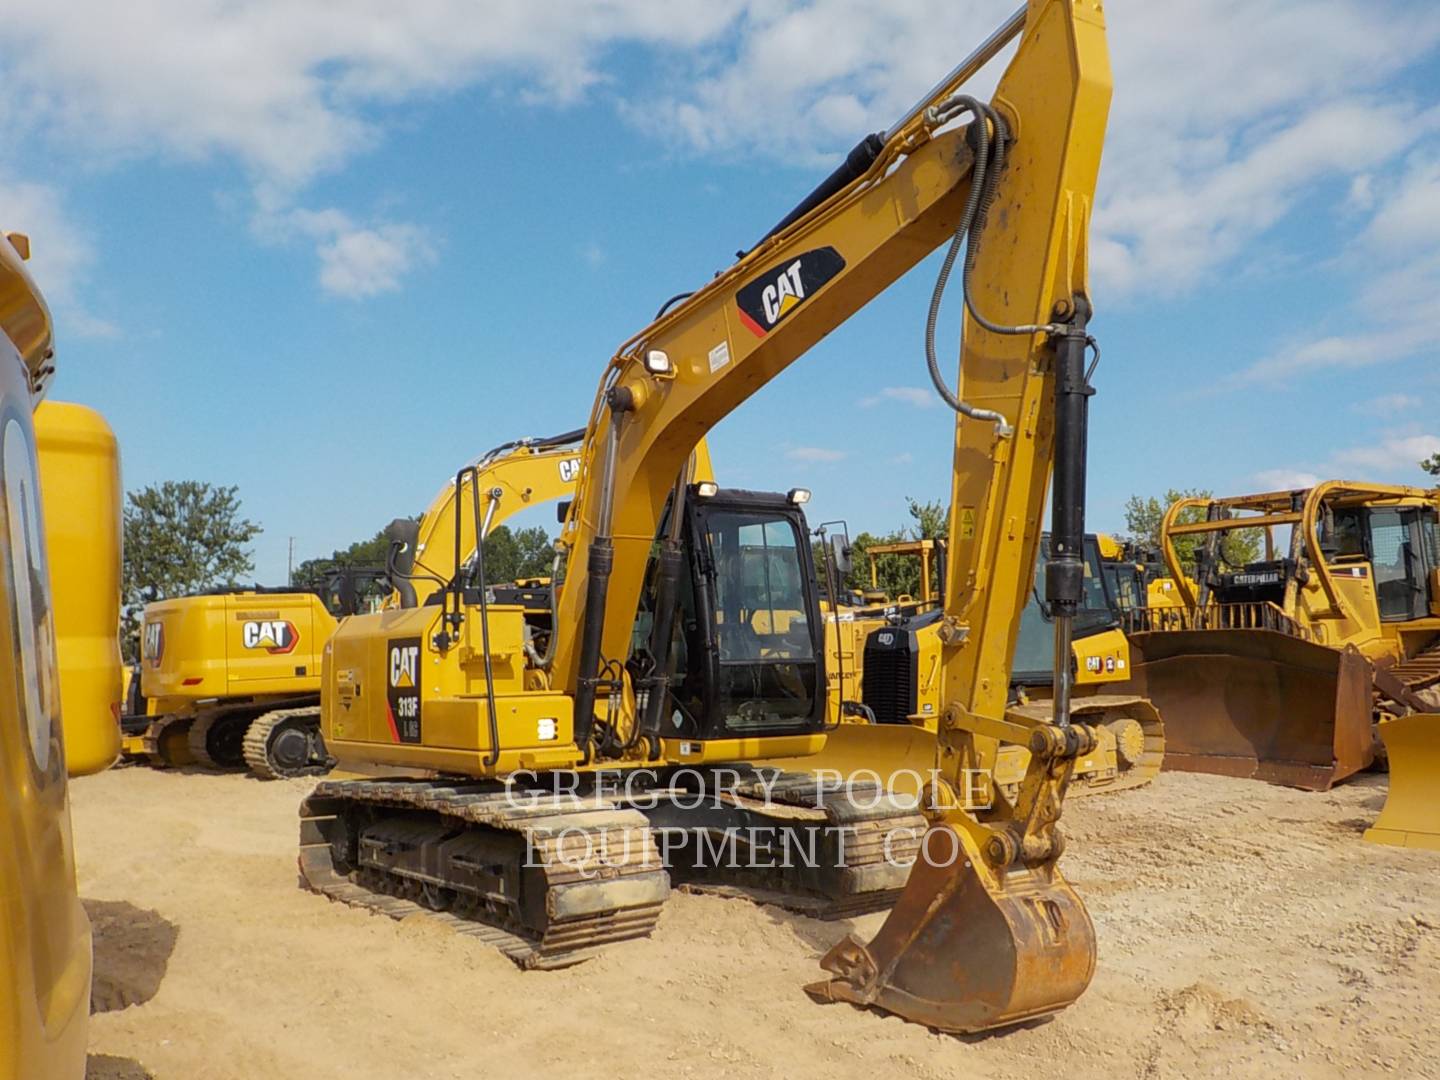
{"x": 402, "y": 691}
{"x": 276, "y": 636}
{"x": 153, "y": 647}
{"x": 569, "y": 469}
{"x": 403, "y": 661}
{"x": 772, "y": 296}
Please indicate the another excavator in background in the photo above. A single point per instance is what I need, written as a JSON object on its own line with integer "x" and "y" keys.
{"x": 1279, "y": 669}
{"x": 684, "y": 637}
{"x": 45, "y": 959}
{"x": 898, "y": 674}
{"x": 231, "y": 678}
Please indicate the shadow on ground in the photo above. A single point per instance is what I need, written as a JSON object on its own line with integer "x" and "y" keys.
{"x": 132, "y": 950}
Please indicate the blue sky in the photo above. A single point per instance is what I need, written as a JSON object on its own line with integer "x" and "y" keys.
{"x": 329, "y": 251}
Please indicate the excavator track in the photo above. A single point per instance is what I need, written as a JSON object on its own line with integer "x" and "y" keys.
{"x": 165, "y": 743}
{"x": 217, "y": 736}
{"x": 548, "y": 879}
{"x": 827, "y": 849}
{"x": 285, "y": 743}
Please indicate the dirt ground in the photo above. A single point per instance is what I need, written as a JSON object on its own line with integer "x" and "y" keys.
{"x": 1245, "y": 931}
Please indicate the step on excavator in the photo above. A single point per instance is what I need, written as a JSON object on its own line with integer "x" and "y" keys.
{"x": 684, "y": 642}
{"x": 59, "y": 586}
{"x": 1280, "y": 669}
{"x": 893, "y": 729}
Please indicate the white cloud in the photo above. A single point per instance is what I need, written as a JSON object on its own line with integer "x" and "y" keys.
{"x": 592, "y": 254}
{"x": 815, "y": 454}
{"x": 356, "y": 261}
{"x": 918, "y": 396}
{"x": 1226, "y": 114}
{"x": 1388, "y": 404}
{"x": 1398, "y": 454}
{"x": 1284, "y": 479}
{"x": 287, "y": 87}
{"x": 60, "y": 256}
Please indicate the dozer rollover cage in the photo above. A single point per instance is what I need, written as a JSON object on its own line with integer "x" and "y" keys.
{"x": 1278, "y": 669}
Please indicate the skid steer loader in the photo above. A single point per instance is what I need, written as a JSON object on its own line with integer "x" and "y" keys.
{"x": 1279, "y": 669}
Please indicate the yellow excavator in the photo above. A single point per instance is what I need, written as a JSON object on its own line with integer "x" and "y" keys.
{"x": 683, "y": 641}
{"x": 62, "y": 648}
{"x": 898, "y": 672}
{"x": 232, "y": 678}
{"x": 1279, "y": 669}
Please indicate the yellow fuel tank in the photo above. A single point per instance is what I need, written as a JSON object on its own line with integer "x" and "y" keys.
{"x": 80, "y": 494}
{"x": 44, "y": 934}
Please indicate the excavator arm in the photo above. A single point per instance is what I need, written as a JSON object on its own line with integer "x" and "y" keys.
{"x": 987, "y": 931}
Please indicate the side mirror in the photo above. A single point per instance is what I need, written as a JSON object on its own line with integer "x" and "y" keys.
{"x": 840, "y": 553}
{"x": 562, "y": 510}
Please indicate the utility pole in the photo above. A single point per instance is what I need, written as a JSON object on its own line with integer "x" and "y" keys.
{"x": 290, "y": 569}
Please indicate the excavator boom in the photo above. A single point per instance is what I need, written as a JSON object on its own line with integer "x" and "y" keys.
{"x": 1021, "y": 175}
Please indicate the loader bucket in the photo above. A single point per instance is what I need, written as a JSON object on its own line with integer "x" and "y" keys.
{"x": 1411, "y": 817}
{"x": 962, "y": 951}
{"x": 1258, "y": 704}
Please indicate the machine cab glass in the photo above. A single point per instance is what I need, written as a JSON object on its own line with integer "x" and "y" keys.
{"x": 746, "y": 658}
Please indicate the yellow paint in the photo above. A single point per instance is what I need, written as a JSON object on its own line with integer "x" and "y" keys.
{"x": 44, "y": 933}
{"x": 80, "y": 492}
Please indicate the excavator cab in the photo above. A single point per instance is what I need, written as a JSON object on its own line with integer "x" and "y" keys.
{"x": 747, "y": 652}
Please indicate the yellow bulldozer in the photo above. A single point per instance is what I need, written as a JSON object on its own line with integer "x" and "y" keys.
{"x": 59, "y": 586}
{"x": 681, "y": 648}
{"x": 1280, "y": 668}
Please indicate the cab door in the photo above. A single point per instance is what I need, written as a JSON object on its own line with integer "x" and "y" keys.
{"x": 1402, "y": 553}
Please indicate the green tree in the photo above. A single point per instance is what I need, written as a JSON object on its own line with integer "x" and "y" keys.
{"x": 1144, "y": 517}
{"x": 522, "y": 553}
{"x": 180, "y": 537}
{"x": 373, "y": 552}
{"x": 1431, "y": 464}
{"x": 898, "y": 575}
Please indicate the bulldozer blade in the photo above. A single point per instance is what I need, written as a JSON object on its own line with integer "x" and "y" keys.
{"x": 1257, "y": 704}
{"x": 1411, "y": 817}
{"x": 962, "y": 951}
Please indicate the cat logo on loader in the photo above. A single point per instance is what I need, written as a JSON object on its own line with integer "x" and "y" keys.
{"x": 276, "y": 636}
{"x": 153, "y": 647}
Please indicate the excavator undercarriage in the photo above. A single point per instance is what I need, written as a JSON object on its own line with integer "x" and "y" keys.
{"x": 554, "y": 873}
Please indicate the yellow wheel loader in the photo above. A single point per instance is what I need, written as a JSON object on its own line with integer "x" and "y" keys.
{"x": 682, "y": 646}
{"x": 59, "y": 642}
{"x": 1278, "y": 669}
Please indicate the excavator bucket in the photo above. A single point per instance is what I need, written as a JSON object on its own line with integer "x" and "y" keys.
{"x": 1258, "y": 704}
{"x": 1411, "y": 817}
{"x": 964, "y": 950}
